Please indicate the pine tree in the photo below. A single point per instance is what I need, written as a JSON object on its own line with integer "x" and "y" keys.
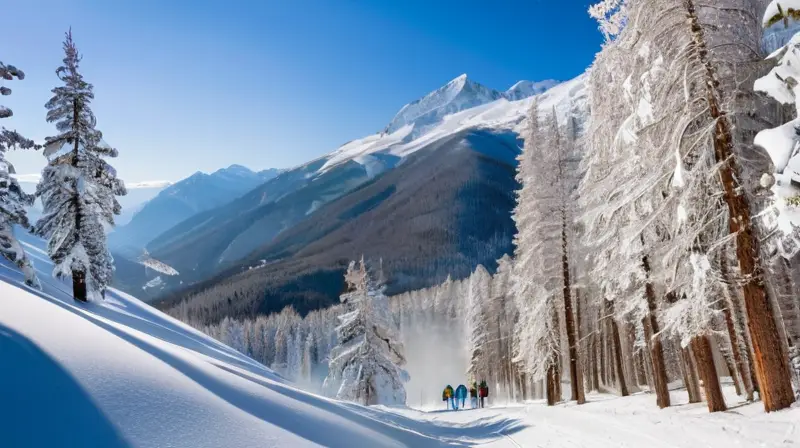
{"x": 712, "y": 55}
{"x": 537, "y": 271}
{"x": 78, "y": 186}
{"x": 13, "y": 200}
{"x": 366, "y": 365}
{"x": 479, "y": 339}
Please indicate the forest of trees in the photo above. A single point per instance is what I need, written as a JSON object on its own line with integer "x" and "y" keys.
{"x": 652, "y": 247}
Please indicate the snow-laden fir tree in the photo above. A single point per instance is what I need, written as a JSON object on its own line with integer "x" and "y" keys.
{"x": 78, "y": 187}
{"x": 710, "y": 52}
{"x": 366, "y": 365}
{"x": 502, "y": 317}
{"x": 478, "y": 324}
{"x": 611, "y": 15}
{"x": 13, "y": 200}
{"x": 536, "y": 273}
{"x": 695, "y": 58}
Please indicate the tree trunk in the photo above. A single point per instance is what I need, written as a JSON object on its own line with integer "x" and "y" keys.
{"x": 595, "y": 362}
{"x": 552, "y": 381}
{"x": 737, "y": 311}
{"x": 690, "y": 377}
{"x": 648, "y": 367}
{"x": 601, "y": 349}
{"x": 656, "y": 349}
{"x": 78, "y": 277}
{"x": 623, "y": 388}
{"x": 727, "y": 357}
{"x": 558, "y": 377}
{"x": 641, "y": 373}
{"x": 772, "y": 369}
{"x": 79, "y": 286}
{"x": 733, "y": 336}
{"x": 629, "y": 360}
{"x": 612, "y": 368}
{"x": 588, "y": 361}
{"x": 581, "y": 344}
{"x": 708, "y": 373}
{"x": 576, "y": 378}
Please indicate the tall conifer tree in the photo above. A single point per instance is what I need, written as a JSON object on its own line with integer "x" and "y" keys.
{"x": 78, "y": 187}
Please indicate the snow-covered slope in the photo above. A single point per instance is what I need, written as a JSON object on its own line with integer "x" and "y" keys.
{"x": 525, "y": 89}
{"x": 119, "y": 373}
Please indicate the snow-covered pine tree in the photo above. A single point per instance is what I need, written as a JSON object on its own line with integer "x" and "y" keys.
{"x": 711, "y": 49}
{"x": 13, "y": 200}
{"x": 78, "y": 187}
{"x": 478, "y": 325}
{"x": 611, "y": 15}
{"x": 503, "y": 313}
{"x": 366, "y": 365}
{"x": 536, "y": 273}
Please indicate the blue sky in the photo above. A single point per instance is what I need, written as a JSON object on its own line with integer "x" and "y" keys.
{"x": 183, "y": 86}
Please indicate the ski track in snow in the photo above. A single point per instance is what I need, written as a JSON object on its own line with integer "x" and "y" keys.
{"x": 119, "y": 373}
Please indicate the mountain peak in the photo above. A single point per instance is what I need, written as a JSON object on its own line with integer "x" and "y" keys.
{"x": 457, "y": 95}
{"x": 460, "y": 79}
{"x": 235, "y": 170}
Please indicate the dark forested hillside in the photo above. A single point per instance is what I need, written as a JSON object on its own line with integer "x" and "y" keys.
{"x": 444, "y": 210}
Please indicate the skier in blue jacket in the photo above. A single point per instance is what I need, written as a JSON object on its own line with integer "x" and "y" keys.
{"x": 461, "y": 395}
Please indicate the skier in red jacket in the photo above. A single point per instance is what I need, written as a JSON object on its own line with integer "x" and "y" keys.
{"x": 483, "y": 392}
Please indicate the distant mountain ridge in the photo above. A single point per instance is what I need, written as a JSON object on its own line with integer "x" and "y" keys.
{"x": 182, "y": 200}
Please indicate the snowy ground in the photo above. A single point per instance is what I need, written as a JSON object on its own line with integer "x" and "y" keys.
{"x": 611, "y": 421}
{"x": 119, "y": 373}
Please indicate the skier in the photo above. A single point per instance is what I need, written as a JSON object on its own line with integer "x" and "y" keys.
{"x": 473, "y": 395}
{"x": 483, "y": 392}
{"x": 461, "y": 395}
{"x": 447, "y": 397}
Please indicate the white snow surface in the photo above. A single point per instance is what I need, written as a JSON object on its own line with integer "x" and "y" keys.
{"x": 609, "y": 421}
{"x": 158, "y": 266}
{"x": 405, "y": 135}
{"x": 525, "y": 89}
{"x": 118, "y": 373}
{"x": 148, "y": 184}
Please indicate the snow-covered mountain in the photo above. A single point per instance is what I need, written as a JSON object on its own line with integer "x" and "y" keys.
{"x": 431, "y": 171}
{"x": 498, "y": 113}
{"x": 182, "y": 200}
{"x": 457, "y": 95}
